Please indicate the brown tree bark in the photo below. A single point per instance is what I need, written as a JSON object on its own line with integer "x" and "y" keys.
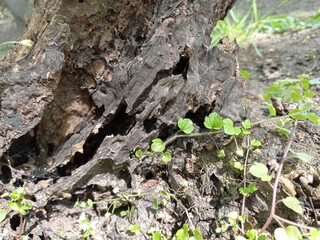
{"x": 104, "y": 78}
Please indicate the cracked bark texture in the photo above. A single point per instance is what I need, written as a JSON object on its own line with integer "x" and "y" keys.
{"x": 103, "y": 79}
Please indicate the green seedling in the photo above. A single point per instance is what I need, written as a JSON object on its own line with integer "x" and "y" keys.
{"x": 85, "y": 226}
{"x": 18, "y": 203}
{"x": 295, "y": 91}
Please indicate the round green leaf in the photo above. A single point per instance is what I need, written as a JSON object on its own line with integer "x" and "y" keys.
{"x": 260, "y": 170}
{"x": 157, "y": 145}
{"x": 213, "y": 121}
{"x": 138, "y": 153}
{"x": 185, "y": 125}
{"x": 166, "y": 157}
{"x": 293, "y": 203}
{"x": 156, "y": 236}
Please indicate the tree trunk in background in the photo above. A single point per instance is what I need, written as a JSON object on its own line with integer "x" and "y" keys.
{"x": 103, "y": 79}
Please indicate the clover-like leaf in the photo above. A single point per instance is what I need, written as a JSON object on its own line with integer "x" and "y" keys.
{"x": 246, "y": 124}
{"x": 133, "y": 228}
{"x": 213, "y": 121}
{"x": 250, "y": 189}
{"x": 183, "y": 234}
{"x": 157, "y": 145}
{"x": 252, "y": 233}
{"x": 197, "y": 235}
{"x": 156, "y": 236}
{"x": 221, "y": 153}
{"x": 138, "y": 153}
{"x": 186, "y": 125}
{"x": 288, "y": 233}
{"x": 293, "y": 203}
{"x": 229, "y": 129}
{"x": 166, "y": 157}
{"x": 260, "y": 170}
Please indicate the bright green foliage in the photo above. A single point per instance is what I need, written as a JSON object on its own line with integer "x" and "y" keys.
{"x": 314, "y": 234}
{"x": 229, "y": 129}
{"x": 138, "y": 153}
{"x": 252, "y": 233}
{"x": 18, "y": 203}
{"x": 291, "y": 90}
{"x": 166, "y": 157}
{"x": 197, "y": 235}
{"x": 272, "y": 110}
{"x": 283, "y": 130}
{"x": 157, "y": 145}
{"x": 313, "y": 117}
{"x": 3, "y": 215}
{"x": 156, "y": 236}
{"x": 221, "y": 153}
{"x": 155, "y": 203}
{"x": 288, "y": 233}
{"x": 185, "y": 125}
{"x": 260, "y": 170}
{"x": 246, "y": 124}
{"x": 298, "y": 114}
{"x": 213, "y": 121}
{"x": 245, "y": 74}
{"x": 236, "y": 164}
{"x": 245, "y": 27}
{"x": 255, "y": 143}
{"x": 293, "y": 203}
{"x": 183, "y": 234}
{"x": 250, "y": 189}
{"x": 133, "y": 228}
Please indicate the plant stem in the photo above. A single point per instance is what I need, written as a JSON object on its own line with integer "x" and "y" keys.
{"x": 174, "y": 137}
{"x": 276, "y": 182}
{"x": 21, "y": 224}
{"x": 292, "y": 223}
{"x": 245, "y": 180}
{"x": 186, "y": 211}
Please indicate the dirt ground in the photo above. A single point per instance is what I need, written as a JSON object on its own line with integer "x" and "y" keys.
{"x": 213, "y": 184}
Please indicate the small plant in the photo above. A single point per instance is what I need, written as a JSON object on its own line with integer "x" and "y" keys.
{"x": 18, "y": 203}
{"x": 295, "y": 91}
{"x": 245, "y": 28}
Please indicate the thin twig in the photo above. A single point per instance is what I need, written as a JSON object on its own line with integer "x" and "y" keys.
{"x": 314, "y": 211}
{"x": 276, "y": 182}
{"x": 186, "y": 211}
{"x": 291, "y": 223}
{"x": 245, "y": 179}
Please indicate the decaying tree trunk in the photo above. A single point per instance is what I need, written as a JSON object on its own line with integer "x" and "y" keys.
{"x": 104, "y": 78}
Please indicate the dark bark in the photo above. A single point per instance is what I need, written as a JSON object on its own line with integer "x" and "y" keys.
{"x": 104, "y": 78}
